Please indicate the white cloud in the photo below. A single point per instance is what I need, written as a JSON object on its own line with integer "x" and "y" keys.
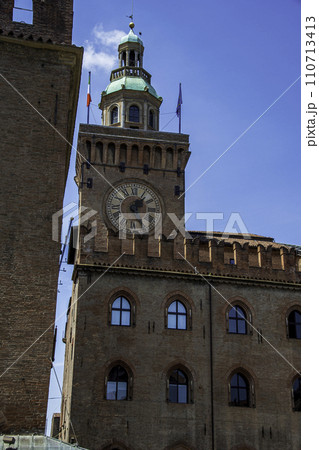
{"x": 94, "y": 59}
{"x": 107, "y": 38}
{"x": 102, "y": 54}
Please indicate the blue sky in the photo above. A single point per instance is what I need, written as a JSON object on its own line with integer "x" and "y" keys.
{"x": 234, "y": 59}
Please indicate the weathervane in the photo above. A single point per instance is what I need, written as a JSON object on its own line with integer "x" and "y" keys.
{"x": 131, "y": 16}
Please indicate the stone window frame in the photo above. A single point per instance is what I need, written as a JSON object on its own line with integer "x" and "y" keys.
{"x": 111, "y": 109}
{"x": 251, "y": 388}
{"x": 122, "y": 309}
{"x": 243, "y": 304}
{"x": 179, "y": 296}
{"x": 190, "y": 385}
{"x": 292, "y": 308}
{"x": 129, "y": 371}
{"x": 151, "y": 111}
{"x": 131, "y": 298}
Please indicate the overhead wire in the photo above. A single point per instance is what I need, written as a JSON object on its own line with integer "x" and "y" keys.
{"x": 169, "y": 122}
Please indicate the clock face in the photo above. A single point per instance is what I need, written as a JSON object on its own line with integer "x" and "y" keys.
{"x": 133, "y": 207}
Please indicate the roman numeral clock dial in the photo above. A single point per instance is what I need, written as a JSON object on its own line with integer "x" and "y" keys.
{"x": 133, "y": 207}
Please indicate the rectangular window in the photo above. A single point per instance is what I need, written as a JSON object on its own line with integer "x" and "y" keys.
{"x": 23, "y": 11}
{"x": 171, "y": 322}
{"x": 116, "y": 318}
{"x": 111, "y": 390}
{"x": 122, "y": 390}
{"x": 126, "y": 318}
{"x": 182, "y": 394}
{"x": 181, "y": 322}
{"x": 173, "y": 393}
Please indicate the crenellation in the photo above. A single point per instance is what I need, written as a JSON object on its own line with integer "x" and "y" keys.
{"x": 128, "y": 245}
{"x": 204, "y": 252}
{"x": 276, "y": 261}
{"x": 154, "y": 247}
{"x": 264, "y": 257}
{"x": 207, "y": 255}
{"x": 241, "y": 255}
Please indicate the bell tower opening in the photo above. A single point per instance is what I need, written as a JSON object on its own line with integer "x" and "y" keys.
{"x": 132, "y": 58}
{"x": 23, "y": 11}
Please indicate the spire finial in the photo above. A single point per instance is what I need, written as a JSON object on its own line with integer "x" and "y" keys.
{"x": 132, "y": 24}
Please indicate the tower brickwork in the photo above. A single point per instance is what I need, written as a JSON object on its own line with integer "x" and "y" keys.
{"x": 39, "y": 84}
{"x": 153, "y": 341}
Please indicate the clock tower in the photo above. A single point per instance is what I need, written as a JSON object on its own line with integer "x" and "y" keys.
{"x": 130, "y": 177}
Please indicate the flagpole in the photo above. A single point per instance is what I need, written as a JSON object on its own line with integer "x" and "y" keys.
{"x": 179, "y": 108}
{"x": 181, "y": 101}
{"x": 89, "y": 99}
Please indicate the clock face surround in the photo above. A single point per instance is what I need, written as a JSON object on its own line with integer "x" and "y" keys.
{"x": 133, "y": 207}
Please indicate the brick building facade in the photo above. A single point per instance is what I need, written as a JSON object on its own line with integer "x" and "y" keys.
{"x": 172, "y": 341}
{"x": 39, "y": 84}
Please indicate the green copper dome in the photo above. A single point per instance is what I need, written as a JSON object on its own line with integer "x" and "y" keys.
{"x": 132, "y": 83}
{"x": 131, "y": 37}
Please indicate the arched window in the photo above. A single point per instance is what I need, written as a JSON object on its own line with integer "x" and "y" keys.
{"x": 99, "y": 150}
{"x": 134, "y": 114}
{"x": 117, "y": 383}
{"x": 151, "y": 119}
{"x": 114, "y": 115}
{"x": 121, "y": 312}
{"x": 169, "y": 158}
{"x": 146, "y": 155}
{"x": 294, "y": 325}
{"x": 123, "y": 153}
{"x": 177, "y": 316}
{"x": 123, "y": 59}
{"x": 296, "y": 394}
{"x": 237, "y": 320}
{"x": 89, "y": 153}
{"x": 134, "y": 155}
{"x": 239, "y": 390}
{"x": 180, "y": 158}
{"x": 178, "y": 387}
{"x": 158, "y": 158}
{"x": 111, "y": 153}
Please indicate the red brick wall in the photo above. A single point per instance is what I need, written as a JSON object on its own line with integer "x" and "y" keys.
{"x": 52, "y": 19}
{"x": 34, "y": 162}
